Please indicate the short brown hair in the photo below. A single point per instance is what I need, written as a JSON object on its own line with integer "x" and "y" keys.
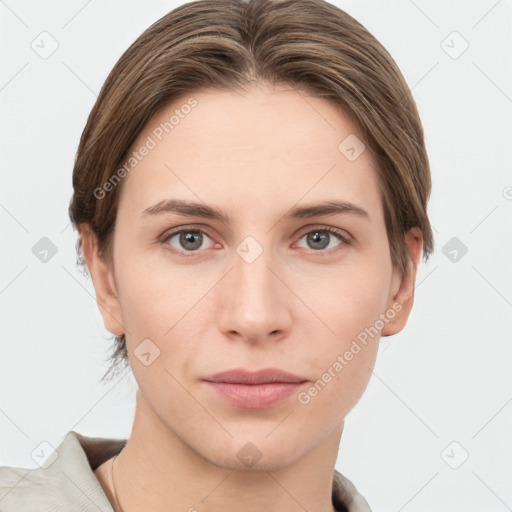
{"x": 311, "y": 45}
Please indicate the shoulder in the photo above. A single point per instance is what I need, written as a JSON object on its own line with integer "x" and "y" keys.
{"x": 22, "y": 488}
{"x": 65, "y": 481}
{"x": 346, "y": 497}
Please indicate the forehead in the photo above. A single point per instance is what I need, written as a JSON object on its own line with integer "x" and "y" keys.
{"x": 276, "y": 144}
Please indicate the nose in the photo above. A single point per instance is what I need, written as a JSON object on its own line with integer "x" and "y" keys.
{"x": 254, "y": 301}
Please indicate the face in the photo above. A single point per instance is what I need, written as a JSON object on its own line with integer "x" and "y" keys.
{"x": 271, "y": 282}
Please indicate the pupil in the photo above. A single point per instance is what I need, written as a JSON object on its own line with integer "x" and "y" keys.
{"x": 317, "y": 238}
{"x": 189, "y": 238}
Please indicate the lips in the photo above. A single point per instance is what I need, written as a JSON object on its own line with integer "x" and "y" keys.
{"x": 265, "y": 376}
{"x": 255, "y": 390}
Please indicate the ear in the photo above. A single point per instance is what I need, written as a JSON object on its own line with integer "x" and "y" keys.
{"x": 402, "y": 294}
{"x": 104, "y": 283}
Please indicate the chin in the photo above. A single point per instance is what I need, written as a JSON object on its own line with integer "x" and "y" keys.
{"x": 275, "y": 462}
{"x": 258, "y": 454}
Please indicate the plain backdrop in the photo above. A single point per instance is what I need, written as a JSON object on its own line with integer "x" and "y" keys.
{"x": 433, "y": 428}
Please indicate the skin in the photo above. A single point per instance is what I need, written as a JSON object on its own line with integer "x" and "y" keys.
{"x": 253, "y": 155}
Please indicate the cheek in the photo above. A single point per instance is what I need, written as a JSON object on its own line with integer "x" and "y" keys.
{"x": 350, "y": 301}
{"x": 346, "y": 353}
{"x": 165, "y": 308}
{"x": 152, "y": 295}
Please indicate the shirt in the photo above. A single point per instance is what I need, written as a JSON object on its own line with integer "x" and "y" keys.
{"x": 66, "y": 482}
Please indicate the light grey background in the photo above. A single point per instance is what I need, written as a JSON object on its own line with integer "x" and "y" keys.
{"x": 446, "y": 378}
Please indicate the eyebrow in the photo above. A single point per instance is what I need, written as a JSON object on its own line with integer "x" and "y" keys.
{"x": 193, "y": 209}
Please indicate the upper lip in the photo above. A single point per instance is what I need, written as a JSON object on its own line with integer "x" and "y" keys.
{"x": 264, "y": 376}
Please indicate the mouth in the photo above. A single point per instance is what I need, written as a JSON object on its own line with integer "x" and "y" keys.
{"x": 255, "y": 390}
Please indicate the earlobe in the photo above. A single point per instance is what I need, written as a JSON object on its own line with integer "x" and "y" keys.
{"x": 104, "y": 283}
{"x": 403, "y": 299}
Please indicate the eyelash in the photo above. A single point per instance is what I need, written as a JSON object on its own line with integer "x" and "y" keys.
{"x": 321, "y": 252}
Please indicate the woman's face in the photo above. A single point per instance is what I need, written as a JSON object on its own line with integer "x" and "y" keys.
{"x": 266, "y": 286}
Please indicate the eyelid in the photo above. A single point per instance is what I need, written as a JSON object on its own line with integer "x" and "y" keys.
{"x": 345, "y": 235}
{"x": 178, "y": 229}
{"x": 305, "y": 229}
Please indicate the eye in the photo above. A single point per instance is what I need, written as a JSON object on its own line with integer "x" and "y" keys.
{"x": 190, "y": 240}
{"x": 322, "y": 238}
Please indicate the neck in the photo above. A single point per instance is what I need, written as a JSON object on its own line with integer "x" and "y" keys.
{"x": 157, "y": 471}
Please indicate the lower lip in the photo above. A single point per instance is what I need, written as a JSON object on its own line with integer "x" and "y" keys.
{"x": 255, "y": 396}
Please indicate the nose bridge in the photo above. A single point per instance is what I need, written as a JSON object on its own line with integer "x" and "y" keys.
{"x": 254, "y": 305}
{"x": 253, "y": 281}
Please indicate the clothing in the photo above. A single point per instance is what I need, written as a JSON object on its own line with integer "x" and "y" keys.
{"x": 69, "y": 483}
